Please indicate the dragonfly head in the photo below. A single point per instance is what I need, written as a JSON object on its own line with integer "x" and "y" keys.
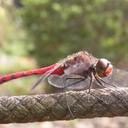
{"x": 104, "y": 67}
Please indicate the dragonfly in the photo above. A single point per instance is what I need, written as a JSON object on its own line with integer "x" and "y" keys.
{"x": 77, "y": 66}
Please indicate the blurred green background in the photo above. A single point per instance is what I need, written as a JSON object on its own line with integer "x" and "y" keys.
{"x": 35, "y": 33}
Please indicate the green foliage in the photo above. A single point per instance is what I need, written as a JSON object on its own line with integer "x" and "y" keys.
{"x": 57, "y": 28}
{"x": 12, "y": 36}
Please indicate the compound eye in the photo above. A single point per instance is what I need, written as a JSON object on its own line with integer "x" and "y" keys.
{"x": 103, "y": 68}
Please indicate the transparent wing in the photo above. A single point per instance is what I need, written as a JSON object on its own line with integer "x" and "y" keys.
{"x": 75, "y": 82}
{"x": 118, "y": 78}
{"x": 71, "y": 82}
{"x": 45, "y": 76}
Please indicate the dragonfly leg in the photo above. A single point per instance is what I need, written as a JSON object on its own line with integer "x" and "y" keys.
{"x": 70, "y": 111}
{"x": 90, "y": 83}
{"x": 101, "y": 80}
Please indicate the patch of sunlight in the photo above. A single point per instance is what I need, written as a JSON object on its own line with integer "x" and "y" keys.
{"x": 56, "y": 6}
{"x": 15, "y": 63}
{"x": 2, "y": 13}
{"x": 109, "y": 42}
{"x": 76, "y": 9}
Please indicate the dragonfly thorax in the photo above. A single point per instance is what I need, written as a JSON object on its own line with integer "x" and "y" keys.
{"x": 79, "y": 64}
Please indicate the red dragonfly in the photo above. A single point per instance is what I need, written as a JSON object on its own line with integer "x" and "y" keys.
{"x": 79, "y": 66}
